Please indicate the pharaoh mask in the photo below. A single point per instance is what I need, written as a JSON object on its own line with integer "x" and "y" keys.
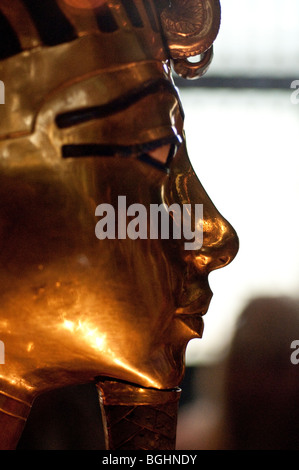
{"x": 92, "y": 121}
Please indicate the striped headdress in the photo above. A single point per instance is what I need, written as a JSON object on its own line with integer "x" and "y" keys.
{"x": 27, "y": 24}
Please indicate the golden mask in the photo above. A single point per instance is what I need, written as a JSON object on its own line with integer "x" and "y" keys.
{"x": 91, "y": 115}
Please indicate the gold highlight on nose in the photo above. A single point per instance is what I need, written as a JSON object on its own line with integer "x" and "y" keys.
{"x": 220, "y": 246}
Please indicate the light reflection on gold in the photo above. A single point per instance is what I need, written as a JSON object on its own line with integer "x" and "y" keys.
{"x": 30, "y": 347}
{"x": 212, "y": 226}
{"x": 202, "y": 261}
{"x": 136, "y": 372}
{"x": 4, "y": 325}
{"x": 84, "y": 331}
{"x": 17, "y": 382}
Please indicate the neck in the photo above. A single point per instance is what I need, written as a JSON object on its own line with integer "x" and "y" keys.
{"x": 13, "y": 415}
{"x": 138, "y": 418}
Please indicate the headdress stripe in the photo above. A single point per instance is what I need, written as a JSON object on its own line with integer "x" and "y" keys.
{"x": 53, "y": 26}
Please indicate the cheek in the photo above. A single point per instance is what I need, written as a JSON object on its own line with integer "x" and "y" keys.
{"x": 135, "y": 294}
{"x": 140, "y": 273}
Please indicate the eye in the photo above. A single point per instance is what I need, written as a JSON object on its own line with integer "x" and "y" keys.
{"x": 159, "y": 157}
{"x": 161, "y": 154}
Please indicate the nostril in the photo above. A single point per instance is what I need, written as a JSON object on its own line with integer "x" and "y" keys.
{"x": 217, "y": 255}
{"x": 229, "y": 250}
{"x": 211, "y": 263}
{"x": 223, "y": 261}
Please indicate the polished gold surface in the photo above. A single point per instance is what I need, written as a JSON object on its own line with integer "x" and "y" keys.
{"x": 79, "y": 118}
{"x": 191, "y": 27}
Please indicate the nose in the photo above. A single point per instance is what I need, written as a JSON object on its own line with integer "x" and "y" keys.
{"x": 220, "y": 242}
{"x": 220, "y": 245}
{"x": 219, "y": 248}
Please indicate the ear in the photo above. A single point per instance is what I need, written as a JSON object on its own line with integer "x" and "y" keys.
{"x": 190, "y": 28}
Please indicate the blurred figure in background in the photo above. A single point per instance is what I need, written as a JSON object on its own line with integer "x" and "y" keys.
{"x": 257, "y": 386}
{"x": 200, "y": 420}
{"x": 262, "y": 384}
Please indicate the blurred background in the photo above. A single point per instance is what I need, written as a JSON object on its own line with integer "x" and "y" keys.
{"x": 242, "y": 131}
{"x": 242, "y": 125}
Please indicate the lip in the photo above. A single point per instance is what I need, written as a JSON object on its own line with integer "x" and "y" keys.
{"x": 192, "y": 315}
{"x": 199, "y": 306}
{"x": 194, "y": 322}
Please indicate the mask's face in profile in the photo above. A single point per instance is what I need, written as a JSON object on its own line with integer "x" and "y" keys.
{"x": 89, "y": 286}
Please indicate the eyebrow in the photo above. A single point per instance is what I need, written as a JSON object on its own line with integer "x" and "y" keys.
{"x": 82, "y": 115}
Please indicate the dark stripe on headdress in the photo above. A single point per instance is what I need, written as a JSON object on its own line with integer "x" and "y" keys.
{"x": 105, "y": 20}
{"x": 132, "y": 13}
{"x": 9, "y": 43}
{"x": 53, "y": 27}
{"x": 151, "y": 15}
